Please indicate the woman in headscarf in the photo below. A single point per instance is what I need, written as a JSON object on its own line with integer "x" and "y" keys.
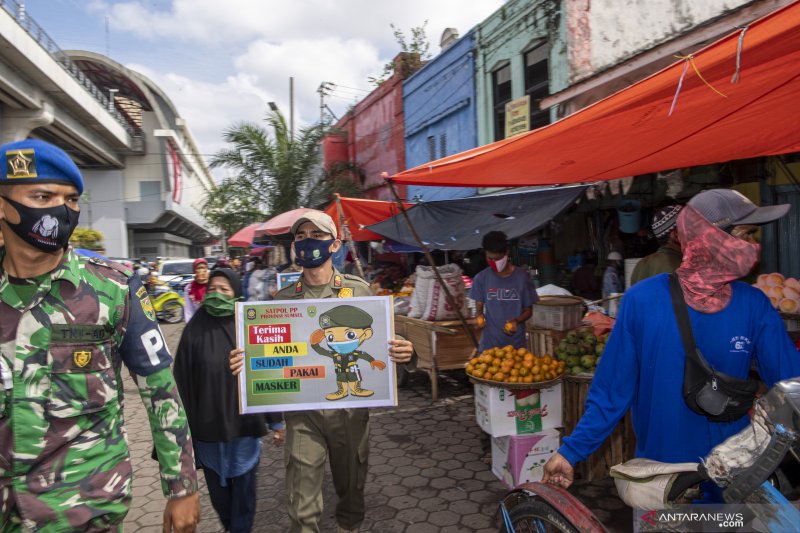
{"x": 196, "y": 290}
{"x": 227, "y": 444}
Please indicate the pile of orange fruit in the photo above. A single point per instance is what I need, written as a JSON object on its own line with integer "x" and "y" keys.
{"x": 514, "y": 365}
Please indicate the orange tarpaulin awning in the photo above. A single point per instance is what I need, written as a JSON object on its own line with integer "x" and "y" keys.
{"x": 359, "y": 213}
{"x": 631, "y": 132}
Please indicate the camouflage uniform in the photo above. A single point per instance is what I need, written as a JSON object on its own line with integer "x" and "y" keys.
{"x": 64, "y": 463}
{"x": 340, "y": 434}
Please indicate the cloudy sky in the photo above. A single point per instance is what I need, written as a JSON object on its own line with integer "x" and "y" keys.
{"x": 221, "y": 61}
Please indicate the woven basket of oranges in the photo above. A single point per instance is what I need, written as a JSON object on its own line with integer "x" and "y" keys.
{"x": 514, "y": 368}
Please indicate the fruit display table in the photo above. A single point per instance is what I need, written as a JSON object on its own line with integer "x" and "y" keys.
{"x": 439, "y": 345}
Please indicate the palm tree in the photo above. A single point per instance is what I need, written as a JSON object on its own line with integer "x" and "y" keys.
{"x": 279, "y": 172}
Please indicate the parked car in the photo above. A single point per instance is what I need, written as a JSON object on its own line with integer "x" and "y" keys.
{"x": 176, "y": 270}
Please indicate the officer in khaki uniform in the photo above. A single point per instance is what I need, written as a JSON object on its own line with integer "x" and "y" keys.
{"x": 341, "y": 435}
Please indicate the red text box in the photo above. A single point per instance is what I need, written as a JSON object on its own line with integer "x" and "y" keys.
{"x": 270, "y": 333}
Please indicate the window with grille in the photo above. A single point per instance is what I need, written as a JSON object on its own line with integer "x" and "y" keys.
{"x": 501, "y": 94}
{"x": 431, "y": 148}
{"x": 443, "y": 144}
{"x": 537, "y": 84}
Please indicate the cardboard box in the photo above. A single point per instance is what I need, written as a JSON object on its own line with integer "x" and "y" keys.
{"x": 520, "y": 459}
{"x": 501, "y": 412}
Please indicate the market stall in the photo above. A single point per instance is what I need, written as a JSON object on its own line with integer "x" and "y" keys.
{"x": 440, "y": 345}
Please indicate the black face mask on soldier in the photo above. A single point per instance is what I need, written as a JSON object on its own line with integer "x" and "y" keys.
{"x": 45, "y": 228}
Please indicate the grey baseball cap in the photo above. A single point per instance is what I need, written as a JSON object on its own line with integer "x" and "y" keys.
{"x": 726, "y": 208}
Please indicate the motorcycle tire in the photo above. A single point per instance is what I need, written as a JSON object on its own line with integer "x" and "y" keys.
{"x": 172, "y": 312}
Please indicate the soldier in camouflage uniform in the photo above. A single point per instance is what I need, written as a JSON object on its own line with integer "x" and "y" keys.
{"x": 340, "y": 434}
{"x": 67, "y": 323}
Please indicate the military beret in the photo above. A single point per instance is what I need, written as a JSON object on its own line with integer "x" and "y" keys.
{"x": 345, "y": 316}
{"x": 34, "y": 161}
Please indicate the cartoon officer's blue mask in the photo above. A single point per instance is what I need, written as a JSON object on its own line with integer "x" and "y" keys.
{"x": 344, "y": 347}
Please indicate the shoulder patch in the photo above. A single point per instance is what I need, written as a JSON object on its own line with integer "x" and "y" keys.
{"x": 352, "y": 277}
{"x": 346, "y": 292}
{"x": 147, "y": 306}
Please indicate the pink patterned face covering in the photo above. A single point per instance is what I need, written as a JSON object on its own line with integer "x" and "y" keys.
{"x": 712, "y": 259}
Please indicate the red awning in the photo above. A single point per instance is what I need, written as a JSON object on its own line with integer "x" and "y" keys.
{"x": 359, "y": 213}
{"x": 631, "y": 132}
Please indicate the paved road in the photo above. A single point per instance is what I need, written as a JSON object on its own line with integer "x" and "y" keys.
{"x": 425, "y": 474}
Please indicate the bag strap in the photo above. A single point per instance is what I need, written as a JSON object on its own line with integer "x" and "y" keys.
{"x": 684, "y": 325}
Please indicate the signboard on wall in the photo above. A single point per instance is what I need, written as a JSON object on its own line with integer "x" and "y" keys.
{"x": 517, "y": 116}
{"x": 175, "y": 169}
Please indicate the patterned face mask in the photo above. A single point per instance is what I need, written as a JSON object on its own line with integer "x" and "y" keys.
{"x": 712, "y": 259}
{"x": 45, "y": 228}
{"x": 312, "y": 253}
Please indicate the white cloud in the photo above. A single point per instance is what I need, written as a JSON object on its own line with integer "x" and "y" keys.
{"x": 254, "y": 46}
{"x": 211, "y": 22}
{"x": 309, "y": 62}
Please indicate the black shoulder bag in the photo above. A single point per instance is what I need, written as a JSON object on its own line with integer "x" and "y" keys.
{"x": 717, "y": 396}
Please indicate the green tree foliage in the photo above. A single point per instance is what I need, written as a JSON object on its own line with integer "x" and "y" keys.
{"x": 274, "y": 173}
{"x": 231, "y": 206}
{"x": 91, "y": 239}
{"x": 418, "y": 50}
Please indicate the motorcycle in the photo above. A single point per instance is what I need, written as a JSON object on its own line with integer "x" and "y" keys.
{"x": 167, "y": 303}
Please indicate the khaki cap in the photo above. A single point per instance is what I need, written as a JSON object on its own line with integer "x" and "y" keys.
{"x": 321, "y": 220}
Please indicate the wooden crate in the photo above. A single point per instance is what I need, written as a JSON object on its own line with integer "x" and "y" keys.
{"x": 439, "y": 345}
{"x": 543, "y": 341}
{"x": 618, "y": 448}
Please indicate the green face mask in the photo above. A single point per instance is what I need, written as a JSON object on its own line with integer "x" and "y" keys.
{"x": 218, "y": 304}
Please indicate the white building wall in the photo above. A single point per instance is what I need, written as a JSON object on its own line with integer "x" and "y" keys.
{"x": 103, "y": 209}
{"x": 147, "y": 167}
{"x": 620, "y": 29}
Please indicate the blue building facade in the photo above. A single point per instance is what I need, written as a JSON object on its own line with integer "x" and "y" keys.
{"x": 440, "y": 114}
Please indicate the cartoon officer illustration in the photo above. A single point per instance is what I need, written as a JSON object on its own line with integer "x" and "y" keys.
{"x": 345, "y": 328}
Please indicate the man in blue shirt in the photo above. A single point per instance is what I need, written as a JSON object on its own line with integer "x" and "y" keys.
{"x": 504, "y": 296}
{"x": 643, "y": 363}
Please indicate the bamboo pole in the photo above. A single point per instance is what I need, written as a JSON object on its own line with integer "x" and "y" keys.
{"x": 429, "y": 257}
{"x": 348, "y": 236}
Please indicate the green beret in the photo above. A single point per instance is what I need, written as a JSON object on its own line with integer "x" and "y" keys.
{"x": 345, "y": 316}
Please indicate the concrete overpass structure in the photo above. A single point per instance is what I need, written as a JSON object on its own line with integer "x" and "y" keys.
{"x": 145, "y": 181}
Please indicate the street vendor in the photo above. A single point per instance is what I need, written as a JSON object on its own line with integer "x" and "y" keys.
{"x": 345, "y": 328}
{"x": 668, "y": 256}
{"x": 504, "y": 296}
{"x": 734, "y": 325}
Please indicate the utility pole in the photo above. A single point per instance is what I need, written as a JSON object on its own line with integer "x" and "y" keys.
{"x": 323, "y": 89}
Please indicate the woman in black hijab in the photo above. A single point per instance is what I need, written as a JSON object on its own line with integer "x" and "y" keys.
{"x": 227, "y": 445}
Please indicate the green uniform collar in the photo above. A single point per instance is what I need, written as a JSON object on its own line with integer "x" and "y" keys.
{"x": 68, "y": 270}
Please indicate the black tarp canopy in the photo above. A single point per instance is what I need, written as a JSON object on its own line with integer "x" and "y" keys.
{"x": 461, "y": 224}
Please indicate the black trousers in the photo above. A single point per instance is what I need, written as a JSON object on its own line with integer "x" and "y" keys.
{"x": 235, "y": 503}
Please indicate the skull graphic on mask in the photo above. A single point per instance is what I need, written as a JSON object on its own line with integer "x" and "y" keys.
{"x": 47, "y": 227}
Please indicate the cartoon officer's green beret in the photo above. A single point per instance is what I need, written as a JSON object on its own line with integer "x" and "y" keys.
{"x": 345, "y": 316}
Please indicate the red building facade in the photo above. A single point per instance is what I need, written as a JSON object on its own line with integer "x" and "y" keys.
{"x": 371, "y": 134}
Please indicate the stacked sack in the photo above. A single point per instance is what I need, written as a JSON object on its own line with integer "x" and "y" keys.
{"x": 429, "y": 302}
